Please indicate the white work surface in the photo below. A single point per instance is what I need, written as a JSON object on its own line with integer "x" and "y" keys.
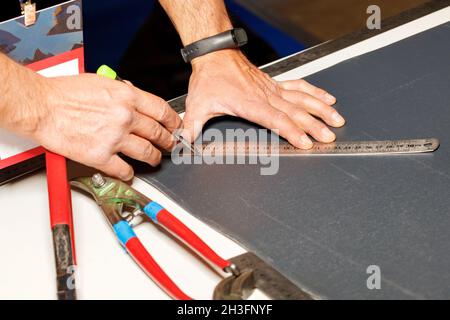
{"x": 27, "y": 269}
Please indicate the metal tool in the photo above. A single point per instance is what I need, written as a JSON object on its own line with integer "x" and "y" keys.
{"x": 349, "y": 148}
{"x": 122, "y": 206}
{"x": 254, "y": 274}
{"x": 191, "y": 147}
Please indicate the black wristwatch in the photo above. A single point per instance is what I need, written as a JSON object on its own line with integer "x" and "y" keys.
{"x": 230, "y": 39}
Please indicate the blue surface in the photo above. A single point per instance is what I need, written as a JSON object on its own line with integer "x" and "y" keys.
{"x": 21, "y": 43}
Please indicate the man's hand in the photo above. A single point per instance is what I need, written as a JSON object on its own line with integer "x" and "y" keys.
{"x": 226, "y": 83}
{"x": 86, "y": 118}
{"x": 90, "y": 119}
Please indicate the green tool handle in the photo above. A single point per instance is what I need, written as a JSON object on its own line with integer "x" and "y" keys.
{"x": 107, "y": 72}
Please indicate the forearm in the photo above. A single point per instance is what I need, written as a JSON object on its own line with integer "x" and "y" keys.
{"x": 20, "y": 105}
{"x": 197, "y": 19}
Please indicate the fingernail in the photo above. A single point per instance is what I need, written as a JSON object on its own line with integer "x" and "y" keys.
{"x": 330, "y": 99}
{"x": 327, "y": 134}
{"x": 337, "y": 118}
{"x": 306, "y": 142}
{"x": 127, "y": 177}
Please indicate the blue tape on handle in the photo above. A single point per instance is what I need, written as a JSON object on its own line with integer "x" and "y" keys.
{"x": 152, "y": 209}
{"x": 124, "y": 232}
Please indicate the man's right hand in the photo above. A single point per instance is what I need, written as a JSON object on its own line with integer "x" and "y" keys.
{"x": 90, "y": 119}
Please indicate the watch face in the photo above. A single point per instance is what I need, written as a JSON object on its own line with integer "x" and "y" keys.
{"x": 240, "y": 36}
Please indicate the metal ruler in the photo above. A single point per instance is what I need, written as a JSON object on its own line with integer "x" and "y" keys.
{"x": 351, "y": 148}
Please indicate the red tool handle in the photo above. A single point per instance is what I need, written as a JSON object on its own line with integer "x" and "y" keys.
{"x": 153, "y": 270}
{"x": 179, "y": 229}
{"x": 60, "y": 200}
{"x": 60, "y": 204}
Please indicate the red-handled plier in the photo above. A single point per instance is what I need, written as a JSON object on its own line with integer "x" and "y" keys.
{"x": 121, "y": 204}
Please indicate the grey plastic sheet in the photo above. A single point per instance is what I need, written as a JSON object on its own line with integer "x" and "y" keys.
{"x": 322, "y": 221}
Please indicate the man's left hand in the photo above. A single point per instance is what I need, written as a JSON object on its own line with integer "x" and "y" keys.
{"x": 226, "y": 83}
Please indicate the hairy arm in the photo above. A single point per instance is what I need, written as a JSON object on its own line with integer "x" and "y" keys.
{"x": 197, "y": 19}
{"x": 21, "y": 103}
{"x": 226, "y": 83}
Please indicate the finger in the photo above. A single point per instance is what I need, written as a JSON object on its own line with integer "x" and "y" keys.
{"x": 117, "y": 167}
{"x": 275, "y": 119}
{"x": 151, "y": 130}
{"x": 314, "y": 106}
{"x": 304, "y": 86}
{"x": 141, "y": 149}
{"x": 158, "y": 109}
{"x": 304, "y": 120}
{"x": 193, "y": 123}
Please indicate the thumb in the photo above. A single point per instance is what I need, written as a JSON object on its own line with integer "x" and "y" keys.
{"x": 117, "y": 167}
{"x": 193, "y": 123}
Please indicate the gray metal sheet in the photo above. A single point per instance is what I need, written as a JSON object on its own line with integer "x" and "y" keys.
{"x": 323, "y": 221}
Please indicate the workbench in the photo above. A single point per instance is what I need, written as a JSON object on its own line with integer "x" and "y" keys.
{"x": 106, "y": 272}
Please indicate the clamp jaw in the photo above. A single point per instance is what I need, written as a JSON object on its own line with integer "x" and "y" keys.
{"x": 116, "y": 198}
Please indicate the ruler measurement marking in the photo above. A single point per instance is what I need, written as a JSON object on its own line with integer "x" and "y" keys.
{"x": 338, "y": 148}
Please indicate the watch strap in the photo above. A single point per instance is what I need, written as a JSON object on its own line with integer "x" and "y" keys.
{"x": 230, "y": 39}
